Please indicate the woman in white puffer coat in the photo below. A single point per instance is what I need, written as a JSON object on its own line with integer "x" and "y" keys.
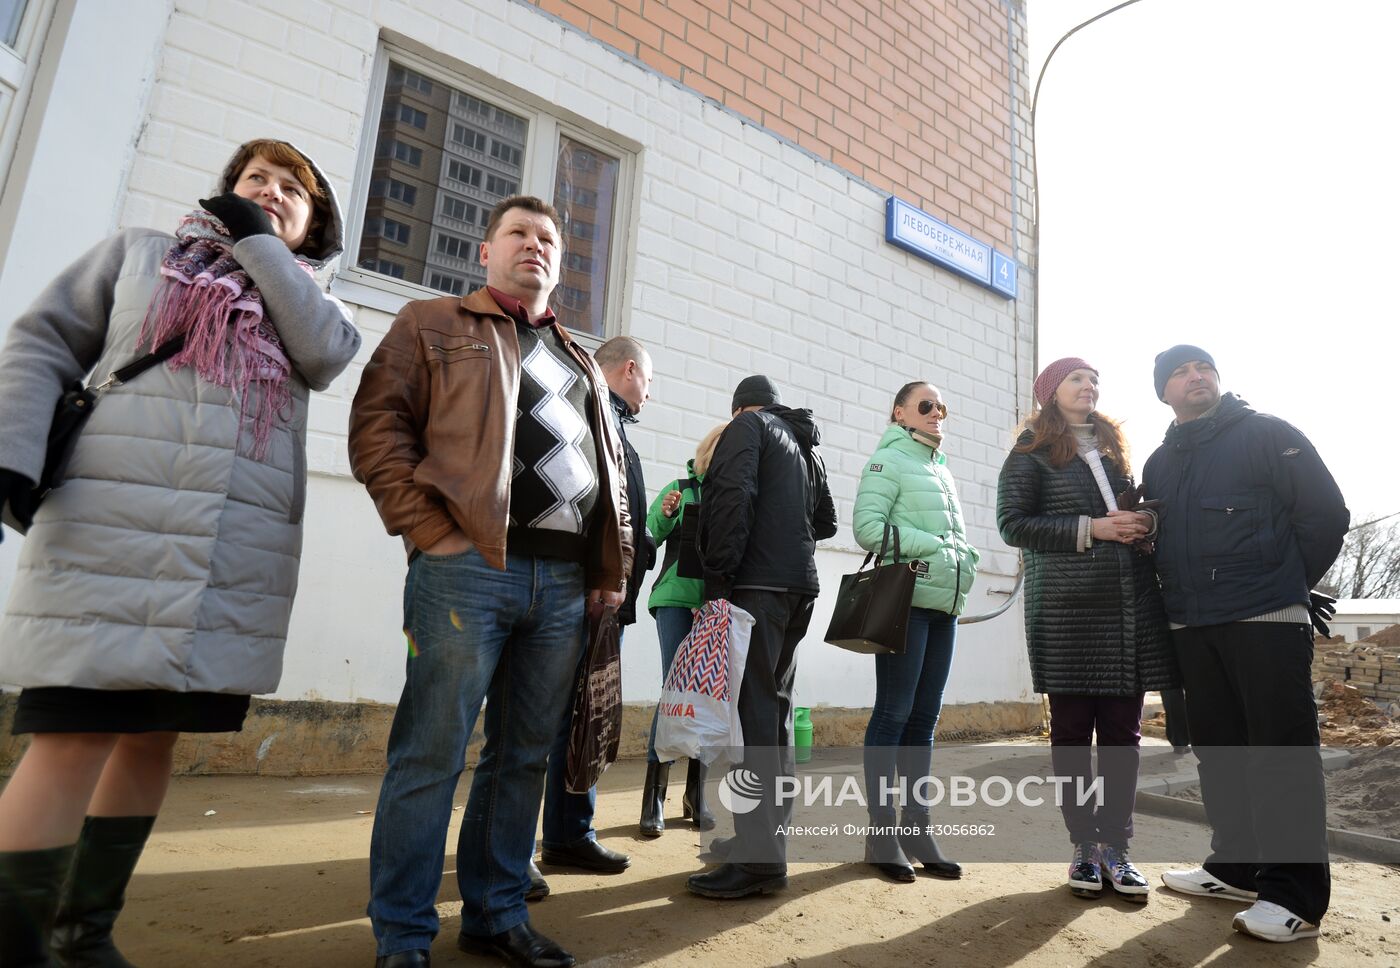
{"x": 155, "y": 586}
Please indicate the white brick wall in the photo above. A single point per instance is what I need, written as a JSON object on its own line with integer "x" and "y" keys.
{"x": 750, "y": 257}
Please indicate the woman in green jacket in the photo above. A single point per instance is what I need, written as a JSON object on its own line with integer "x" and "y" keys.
{"x": 672, "y": 604}
{"x": 906, "y": 484}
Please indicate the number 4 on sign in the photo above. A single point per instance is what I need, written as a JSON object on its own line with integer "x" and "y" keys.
{"x": 1003, "y": 274}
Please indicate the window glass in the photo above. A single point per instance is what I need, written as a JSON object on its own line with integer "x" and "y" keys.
{"x": 585, "y": 192}
{"x": 459, "y": 149}
{"x": 11, "y": 16}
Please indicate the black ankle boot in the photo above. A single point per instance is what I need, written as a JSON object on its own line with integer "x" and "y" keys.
{"x": 693, "y": 806}
{"x": 882, "y": 852}
{"x": 921, "y": 848}
{"x": 30, "y": 882}
{"x": 95, "y": 891}
{"x": 654, "y": 799}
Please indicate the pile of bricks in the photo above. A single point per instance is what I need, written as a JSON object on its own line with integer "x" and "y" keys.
{"x": 1373, "y": 671}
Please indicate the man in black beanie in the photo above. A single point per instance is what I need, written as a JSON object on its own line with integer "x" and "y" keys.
{"x": 1250, "y": 521}
{"x": 766, "y": 506}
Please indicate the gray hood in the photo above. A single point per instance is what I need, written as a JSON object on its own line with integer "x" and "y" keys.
{"x": 316, "y": 251}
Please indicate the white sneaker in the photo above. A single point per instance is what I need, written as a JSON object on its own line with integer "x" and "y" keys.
{"x": 1273, "y": 922}
{"x": 1202, "y": 883}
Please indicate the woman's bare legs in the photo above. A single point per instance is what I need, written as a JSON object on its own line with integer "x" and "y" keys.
{"x": 137, "y": 774}
{"x": 44, "y": 803}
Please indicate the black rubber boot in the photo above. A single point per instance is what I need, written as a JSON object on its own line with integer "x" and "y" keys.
{"x": 654, "y": 799}
{"x": 95, "y": 891}
{"x": 693, "y": 806}
{"x": 30, "y": 882}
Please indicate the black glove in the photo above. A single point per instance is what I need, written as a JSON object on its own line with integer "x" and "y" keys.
{"x": 1321, "y": 608}
{"x": 17, "y": 491}
{"x": 241, "y": 217}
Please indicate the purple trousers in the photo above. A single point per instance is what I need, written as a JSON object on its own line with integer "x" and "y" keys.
{"x": 1074, "y": 720}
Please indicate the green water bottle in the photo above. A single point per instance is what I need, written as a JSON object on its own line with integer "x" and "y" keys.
{"x": 802, "y": 734}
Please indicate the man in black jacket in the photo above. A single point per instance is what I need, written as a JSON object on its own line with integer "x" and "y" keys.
{"x": 1250, "y": 521}
{"x": 766, "y": 506}
{"x": 569, "y": 838}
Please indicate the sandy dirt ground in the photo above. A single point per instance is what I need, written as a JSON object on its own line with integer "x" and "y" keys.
{"x": 278, "y": 876}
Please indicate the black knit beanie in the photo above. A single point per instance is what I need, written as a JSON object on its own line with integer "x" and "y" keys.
{"x": 1168, "y": 360}
{"x": 755, "y": 391}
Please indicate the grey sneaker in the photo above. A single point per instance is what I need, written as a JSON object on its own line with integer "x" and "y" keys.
{"x": 1126, "y": 879}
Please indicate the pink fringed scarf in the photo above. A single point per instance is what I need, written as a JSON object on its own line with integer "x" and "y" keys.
{"x": 229, "y": 340}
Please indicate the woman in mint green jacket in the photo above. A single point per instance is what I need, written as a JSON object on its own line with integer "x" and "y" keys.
{"x": 672, "y": 603}
{"x": 906, "y": 484}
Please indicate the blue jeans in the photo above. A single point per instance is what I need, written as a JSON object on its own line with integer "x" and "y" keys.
{"x": 672, "y": 625}
{"x": 512, "y": 639}
{"x": 908, "y": 699}
{"x": 568, "y": 817}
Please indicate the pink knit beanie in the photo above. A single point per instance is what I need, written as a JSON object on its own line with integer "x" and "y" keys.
{"x": 1054, "y": 374}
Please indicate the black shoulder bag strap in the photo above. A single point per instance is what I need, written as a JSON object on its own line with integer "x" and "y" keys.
{"x": 76, "y": 405}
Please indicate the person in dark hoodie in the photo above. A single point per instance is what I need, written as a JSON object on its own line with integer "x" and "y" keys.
{"x": 766, "y": 506}
{"x": 1250, "y": 521}
{"x": 155, "y": 585}
{"x": 569, "y": 838}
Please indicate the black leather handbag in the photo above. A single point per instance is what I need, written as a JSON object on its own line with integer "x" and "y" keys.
{"x": 872, "y": 607}
{"x": 76, "y": 406}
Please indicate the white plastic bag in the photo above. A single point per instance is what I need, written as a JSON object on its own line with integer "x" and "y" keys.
{"x": 698, "y": 716}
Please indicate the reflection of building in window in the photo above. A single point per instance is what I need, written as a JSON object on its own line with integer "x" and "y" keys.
{"x": 570, "y": 298}
{"x": 445, "y": 282}
{"x": 582, "y": 197}
{"x": 464, "y": 173}
{"x": 393, "y": 188}
{"x": 465, "y": 152}
{"x": 473, "y": 105}
{"x": 394, "y": 270}
{"x": 497, "y": 185}
{"x": 400, "y": 77}
{"x": 387, "y": 228}
{"x": 483, "y": 152}
{"x": 468, "y": 138}
{"x": 505, "y": 152}
{"x": 407, "y": 160}
{"x": 401, "y": 151}
{"x": 584, "y": 192}
{"x": 458, "y": 209}
{"x": 411, "y": 115}
{"x": 454, "y": 246}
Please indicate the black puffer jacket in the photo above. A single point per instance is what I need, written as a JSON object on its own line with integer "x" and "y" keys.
{"x": 766, "y": 504}
{"x": 1094, "y": 619}
{"x": 644, "y": 546}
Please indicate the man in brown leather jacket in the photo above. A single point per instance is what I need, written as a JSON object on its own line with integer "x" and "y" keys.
{"x": 484, "y": 435}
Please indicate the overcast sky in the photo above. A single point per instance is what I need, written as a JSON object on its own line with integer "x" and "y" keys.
{"x": 1223, "y": 173}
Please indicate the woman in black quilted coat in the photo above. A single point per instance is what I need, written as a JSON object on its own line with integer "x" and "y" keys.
{"x": 1095, "y": 627}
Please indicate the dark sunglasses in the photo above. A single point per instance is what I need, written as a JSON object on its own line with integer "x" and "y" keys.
{"x": 926, "y": 408}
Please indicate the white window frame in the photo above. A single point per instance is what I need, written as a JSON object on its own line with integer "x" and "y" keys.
{"x": 18, "y": 66}
{"x": 546, "y": 124}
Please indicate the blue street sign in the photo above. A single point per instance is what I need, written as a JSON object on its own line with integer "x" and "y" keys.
{"x": 916, "y": 231}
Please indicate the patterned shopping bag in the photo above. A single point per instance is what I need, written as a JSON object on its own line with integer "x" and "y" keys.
{"x": 698, "y": 716}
